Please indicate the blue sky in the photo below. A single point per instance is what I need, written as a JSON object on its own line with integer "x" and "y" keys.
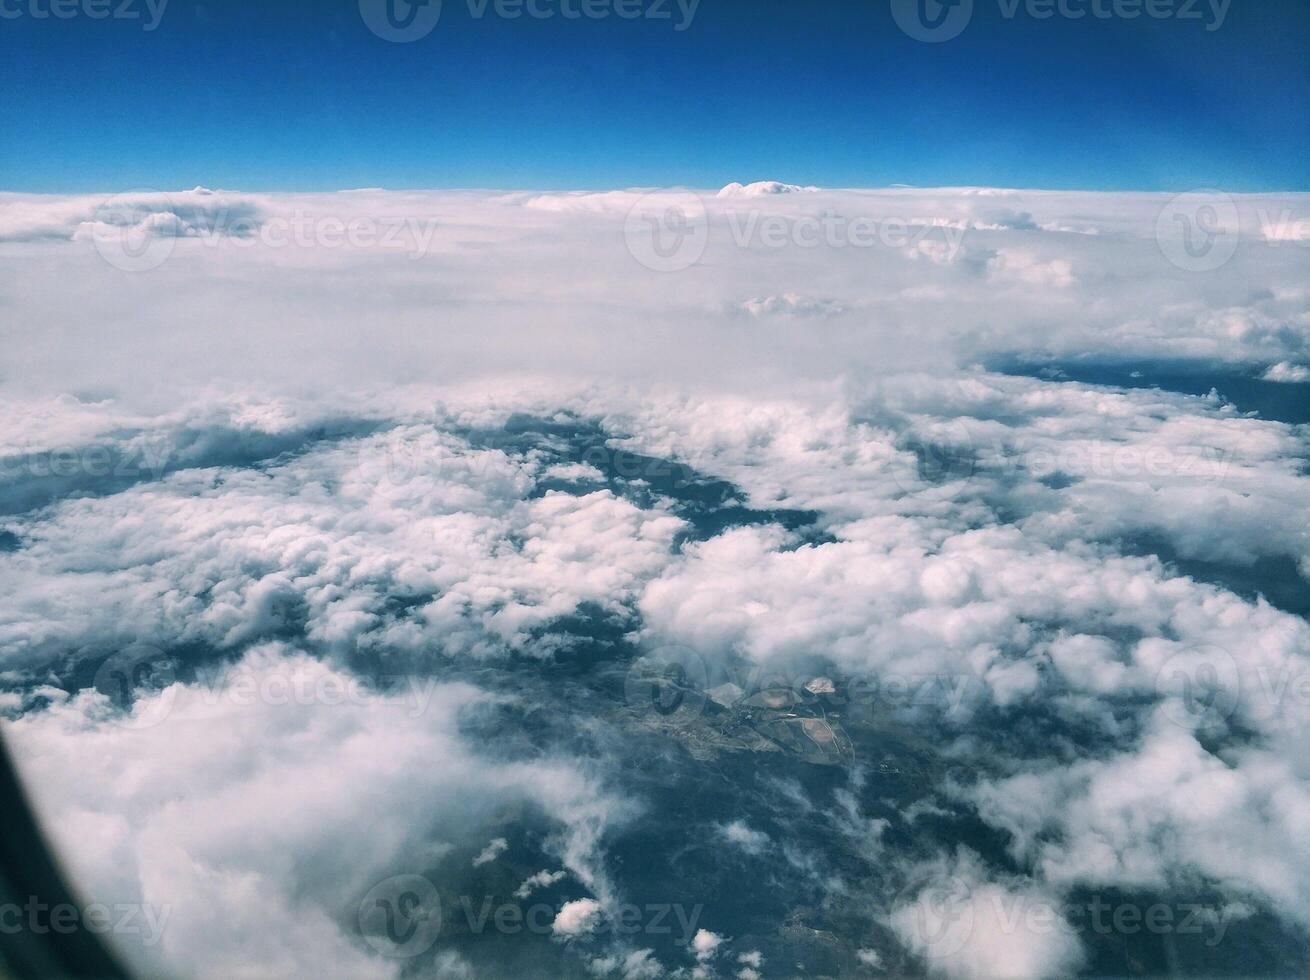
{"x": 281, "y": 95}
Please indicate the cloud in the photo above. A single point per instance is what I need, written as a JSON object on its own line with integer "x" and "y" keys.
{"x": 577, "y": 918}
{"x": 1288, "y": 373}
{"x": 542, "y": 879}
{"x": 174, "y": 816}
{"x": 1014, "y": 569}
{"x": 750, "y": 841}
{"x": 966, "y": 926}
{"x": 493, "y": 850}
{"x": 764, "y": 188}
{"x": 705, "y": 945}
{"x": 791, "y": 304}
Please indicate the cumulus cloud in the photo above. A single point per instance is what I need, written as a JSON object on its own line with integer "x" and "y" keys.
{"x": 577, "y": 918}
{"x": 177, "y": 811}
{"x": 968, "y": 927}
{"x": 763, "y": 188}
{"x": 705, "y": 945}
{"x": 1031, "y": 575}
{"x": 1287, "y": 372}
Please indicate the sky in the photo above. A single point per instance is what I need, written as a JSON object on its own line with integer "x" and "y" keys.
{"x": 294, "y": 96}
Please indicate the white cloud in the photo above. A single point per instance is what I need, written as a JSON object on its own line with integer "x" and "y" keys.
{"x": 542, "y": 879}
{"x": 763, "y": 188}
{"x": 967, "y": 927}
{"x": 705, "y": 945}
{"x": 175, "y": 816}
{"x": 750, "y": 841}
{"x": 983, "y": 530}
{"x": 493, "y": 850}
{"x": 577, "y": 918}
{"x": 1287, "y": 372}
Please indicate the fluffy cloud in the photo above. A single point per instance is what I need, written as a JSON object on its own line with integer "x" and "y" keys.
{"x": 176, "y": 816}
{"x": 577, "y": 918}
{"x": 372, "y": 467}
